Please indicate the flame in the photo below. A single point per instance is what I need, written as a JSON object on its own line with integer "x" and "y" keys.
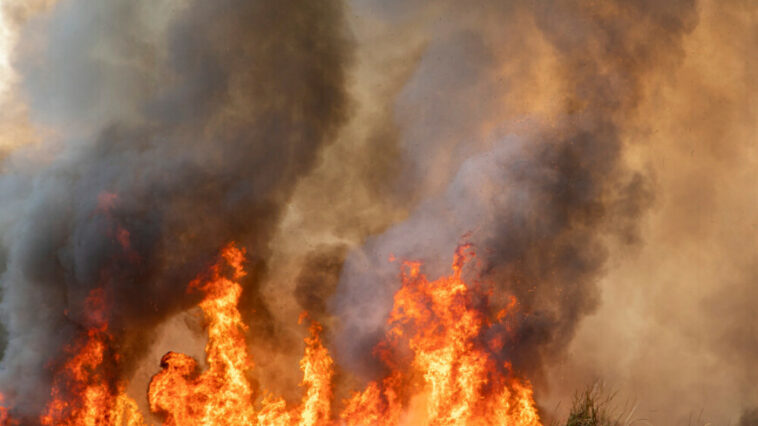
{"x": 441, "y": 371}
{"x": 222, "y": 394}
{"x": 452, "y": 374}
{"x": 82, "y": 394}
{"x": 461, "y": 380}
{"x": 5, "y": 418}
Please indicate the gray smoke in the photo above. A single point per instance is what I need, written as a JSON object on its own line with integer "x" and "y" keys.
{"x": 539, "y": 199}
{"x": 173, "y": 127}
{"x": 187, "y": 126}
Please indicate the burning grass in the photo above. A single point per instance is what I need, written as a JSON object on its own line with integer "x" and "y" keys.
{"x": 441, "y": 369}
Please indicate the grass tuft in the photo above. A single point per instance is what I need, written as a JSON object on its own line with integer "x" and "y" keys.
{"x": 590, "y": 408}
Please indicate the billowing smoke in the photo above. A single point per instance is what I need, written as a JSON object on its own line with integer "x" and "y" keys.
{"x": 561, "y": 137}
{"x": 599, "y": 156}
{"x": 539, "y": 200}
{"x": 180, "y": 138}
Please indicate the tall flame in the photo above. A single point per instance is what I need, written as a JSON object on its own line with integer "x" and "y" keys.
{"x": 82, "y": 394}
{"x": 222, "y": 395}
{"x": 441, "y": 369}
{"x": 452, "y": 373}
{"x": 461, "y": 381}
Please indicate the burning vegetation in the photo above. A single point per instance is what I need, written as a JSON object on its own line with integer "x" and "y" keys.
{"x": 232, "y": 212}
{"x": 442, "y": 367}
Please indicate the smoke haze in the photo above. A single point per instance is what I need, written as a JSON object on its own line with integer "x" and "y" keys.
{"x": 168, "y": 149}
{"x": 600, "y": 156}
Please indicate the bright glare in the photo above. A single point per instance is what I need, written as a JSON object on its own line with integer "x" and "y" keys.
{"x": 7, "y": 39}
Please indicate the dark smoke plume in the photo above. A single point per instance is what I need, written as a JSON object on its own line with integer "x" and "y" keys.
{"x": 206, "y": 129}
{"x": 539, "y": 200}
{"x": 600, "y": 156}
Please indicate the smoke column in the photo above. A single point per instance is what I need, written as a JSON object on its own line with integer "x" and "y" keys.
{"x": 599, "y": 156}
{"x": 540, "y": 198}
{"x": 178, "y": 136}
{"x": 593, "y": 152}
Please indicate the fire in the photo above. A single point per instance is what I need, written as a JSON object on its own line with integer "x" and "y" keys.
{"x": 4, "y": 416}
{"x": 441, "y": 371}
{"x": 222, "y": 395}
{"x": 451, "y": 371}
{"x": 82, "y": 394}
{"x": 460, "y": 379}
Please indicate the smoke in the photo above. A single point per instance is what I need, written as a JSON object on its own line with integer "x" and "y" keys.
{"x": 600, "y": 157}
{"x": 15, "y": 126}
{"x": 593, "y": 152}
{"x": 539, "y": 199}
{"x": 182, "y": 127}
{"x": 749, "y": 418}
{"x": 676, "y": 332}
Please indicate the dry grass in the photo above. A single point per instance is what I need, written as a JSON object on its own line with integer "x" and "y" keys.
{"x": 593, "y": 407}
{"x": 589, "y": 409}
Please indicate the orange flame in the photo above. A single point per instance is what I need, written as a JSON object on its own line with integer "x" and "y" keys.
{"x": 81, "y": 394}
{"x": 222, "y": 394}
{"x": 451, "y": 375}
{"x": 441, "y": 369}
{"x": 461, "y": 381}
